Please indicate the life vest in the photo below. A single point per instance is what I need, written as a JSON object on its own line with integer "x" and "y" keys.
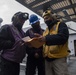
{"x": 54, "y": 51}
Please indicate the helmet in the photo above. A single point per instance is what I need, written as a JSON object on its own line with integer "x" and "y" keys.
{"x": 20, "y": 15}
{"x": 33, "y": 19}
{"x": 47, "y": 12}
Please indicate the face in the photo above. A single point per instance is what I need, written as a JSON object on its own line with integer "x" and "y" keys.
{"x": 36, "y": 26}
{"x": 48, "y": 20}
{"x": 19, "y": 23}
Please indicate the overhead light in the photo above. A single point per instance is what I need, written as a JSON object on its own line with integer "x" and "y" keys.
{"x": 60, "y": 4}
{"x": 61, "y": 13}
{"x": 40, "y": 3}
{"x": 73, "y": 1}
{"x": 72, "y": 17}
{"x": 70, "y": 11}
{"x": 29, "y": 1}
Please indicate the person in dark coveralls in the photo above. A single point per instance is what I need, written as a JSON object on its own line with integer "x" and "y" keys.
{"x": 56, "y": 45}
{"x": 11, "y": 44}
{"x": 35, "y": 58}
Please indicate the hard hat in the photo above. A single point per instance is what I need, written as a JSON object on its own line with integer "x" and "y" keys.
{"x": 20, "y": 15}
{"x": 1, "y": 20}
{"x": 50, "y": 13}
{"x": 47, "y": 12}
{"x": 33, "y": 19}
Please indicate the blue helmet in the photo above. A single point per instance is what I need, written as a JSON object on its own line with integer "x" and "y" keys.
{"x": 33, "y": 19}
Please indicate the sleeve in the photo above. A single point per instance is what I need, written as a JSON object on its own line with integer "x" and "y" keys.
{"x": 27, "y": 33}
{"x": 60, "y": 38}
{"x": 28, "y": 51}
{"x": 32, "y": 50}
{"x": 5, "y": 43}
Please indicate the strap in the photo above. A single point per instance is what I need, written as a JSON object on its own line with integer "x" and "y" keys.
{"x": 58, "y": 23}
